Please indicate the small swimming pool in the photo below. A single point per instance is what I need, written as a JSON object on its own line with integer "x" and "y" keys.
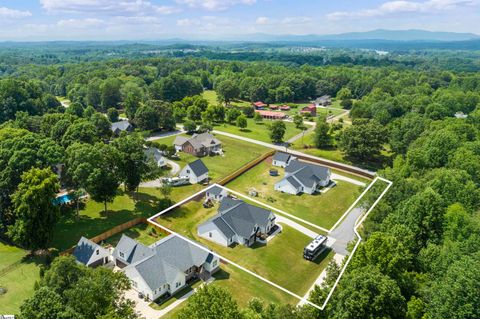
{"x": 63, "y": 199}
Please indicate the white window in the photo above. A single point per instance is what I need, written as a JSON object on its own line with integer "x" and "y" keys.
{"x": 214, "y": 264}
{"x": 178, "y": 284}
{"x": 98, "y": 251}
{"x": 134, "y": 283}
{"x": 122, "y": 255}
{"x": 210, "y": 234}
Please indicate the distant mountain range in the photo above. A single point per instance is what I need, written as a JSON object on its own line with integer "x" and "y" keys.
{"x": 380, "y": 34}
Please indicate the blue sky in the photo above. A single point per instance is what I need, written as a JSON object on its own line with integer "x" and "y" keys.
{"x": 216, "y": 19}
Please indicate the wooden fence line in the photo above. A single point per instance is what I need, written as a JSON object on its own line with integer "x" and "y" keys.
{"x": 245, "y": 168}
{"x": 113, "y": 231}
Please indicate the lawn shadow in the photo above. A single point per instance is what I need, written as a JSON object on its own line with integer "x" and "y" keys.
{"x": 221, "y": 275}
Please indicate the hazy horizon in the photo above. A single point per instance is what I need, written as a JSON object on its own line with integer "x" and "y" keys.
{"x": 142, "y": 20}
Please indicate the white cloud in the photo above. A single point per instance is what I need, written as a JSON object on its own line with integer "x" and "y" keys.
{"x": 263, "y": 21}
{"x": 80, "y": 23}
{"x": 215, "y": 5}
{"x": 7, "y": 13}
{"x": 111, "y": 7}
{"x": 288, "y": 21}
{"x": 395, "y": 7}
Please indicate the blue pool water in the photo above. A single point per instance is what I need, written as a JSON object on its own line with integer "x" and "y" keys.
{"x": 62, "y": 200}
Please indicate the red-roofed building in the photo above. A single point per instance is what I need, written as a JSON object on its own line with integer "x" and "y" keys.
{"x": 310, "y": 109}
{"x": 259, "y": 105}
{"x": 273, "y": 107}
{"x": 271, "y": 115}
{"x": 285, "y": 107}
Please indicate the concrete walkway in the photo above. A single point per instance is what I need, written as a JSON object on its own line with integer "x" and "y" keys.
{"x": 338, "y": 177}
{"x": 296, "y": 226}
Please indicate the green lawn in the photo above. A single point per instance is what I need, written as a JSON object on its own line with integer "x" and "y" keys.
{"x": 94, "y": 221}
{"x": 258, "y": 131}
{"x": 237, "y": 153}
{"x": 160, "y": 304}
{"x": 19, "y": 281}
{"x": 307, "y": 146}
{"x": 321, "y": 209}
{"x": 243, "y": 288}
{"x": 274, "y": 261}
{"x": 142, "y": 233}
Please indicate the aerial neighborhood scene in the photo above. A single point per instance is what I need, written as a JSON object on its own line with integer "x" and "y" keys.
{"x": 239, "y": 159}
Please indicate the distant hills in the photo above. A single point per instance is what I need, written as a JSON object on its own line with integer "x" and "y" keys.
{"x": 380, "y": 34}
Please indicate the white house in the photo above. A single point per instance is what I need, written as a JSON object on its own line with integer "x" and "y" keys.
{"x": 195, "y": 171}
{"x": 301, "y": 177}
{"x": 154, "y": 154}
{"x": 237, "y": 223}
{"x": 90, "y": 254}
{"x": 164, "y": 267}
{"x": 216, "y": 193}
{"x": 282, "y": 159}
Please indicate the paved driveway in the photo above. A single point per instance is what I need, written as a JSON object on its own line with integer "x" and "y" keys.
{"x": 344, "y": 233}
{"x": 157, "y": 182}
{"x": 338, "y": 177}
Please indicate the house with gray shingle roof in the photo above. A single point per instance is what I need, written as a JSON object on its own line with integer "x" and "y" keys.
{"x": 155, "y": 155}
{"x": 216, "y": 193}
{"x": 196, "y": 172}
{"x": 121, "y": 126}
{"x": 237, "y": 222}
{"x": 282, "y": 159}
{"x": 199, "y": 144}
{"x": 302, "y": 177}
{"x": 90, "y": 254}
{"x": 164, "y": 267}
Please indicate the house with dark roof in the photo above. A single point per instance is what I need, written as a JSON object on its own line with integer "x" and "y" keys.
{"x": 237, "y": 222}
{"x": 164, "y": 267}
{"x": 90, "y": 254}
{"x": 216, "y": 193}
{"x": 302, "y": 177}
{"x": 196, "y": 172}
{"x": 282, "y": 159}
{"x": 121, "y": 126}
{"x": 155, "y": 155}
{"x": 198, "y": 145}
{"x": 323, "y": 100}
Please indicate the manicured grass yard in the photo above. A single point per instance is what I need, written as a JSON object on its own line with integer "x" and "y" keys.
{"x": 321, "y": 209}
{"x": 236, "y": 154}
{"x": 307, "y": 146}
{"x": 19, "y": 281}
{"x": 142, "y": 233}
{"x": 258, "y": 131}
{"x": 275, "y": 261}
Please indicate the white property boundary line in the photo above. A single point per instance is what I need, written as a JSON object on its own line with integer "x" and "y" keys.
{"x": 303, "y": 299}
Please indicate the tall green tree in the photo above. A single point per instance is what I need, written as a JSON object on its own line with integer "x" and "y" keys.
{"x": 96, "y": 169}
{"x": 210, "y": 301}
{"x": 34, "y": 209}
{"x": 277, "y": 131}
{"x": 321, "y": 137}
{"x": 363, "y": 140}
{"x": 133, "y": 163}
